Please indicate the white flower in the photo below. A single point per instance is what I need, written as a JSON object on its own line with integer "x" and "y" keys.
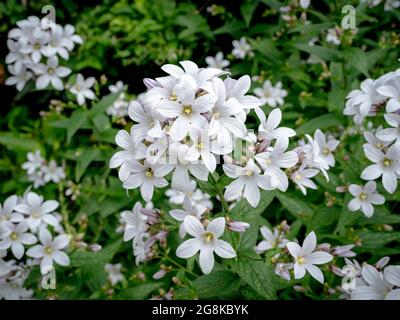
{"x": 35, "y": 162}
{"x": 218, "y": 61}
{"x": 374, "y": 141}
{"x": 188, "y": 209}
{"x": 206, "y": 241}
{"x": 392, "y": 91}
{"x": 271, "y": 95}
{"x": 271, "y": 240}
{"x": 237, "y": 89}
{"x": 19, "y": 78}
{"x": 241, "y": 48}
{"x": 70, "y": 38}
{"x": 135, "y": 222}
{"x": 114, "y": 273}
{"x": 51, "y": 73}
{"x": 82, "y": 89}
{"x": 132, "y": 151}
{"x": 365, "y": 98}
{"x": 326, "y": 147}
{"x": 225, "y": 118}
{"x": 34, "y": 44}
{"x": 305, "y": 3}
{"x": 365, "y": 197}
{"x": 147, "y": 127}
{"x": 249, "y": 179}
{"x": 15, "y": 237}
{"x": 56, "y": 43}
{"x": 52, "y": 172}
{"x": 378, "y": 285}
{"x": 273, "y": 161}
{"x": 386, "y": 165}
{"x": 301, "y": 178}
{"x": 145, "y": 176}
{"x": 269, "y": 128}
{"x": 333, "y": 37}
{"x": 195, "y": 194}
{"x": 14, "y": 290}
{"x": 390, "y": 134}
{"x": 306, "y": 259}
{"x": 38, "y": 210}
{"x": 187, "y": 109}
{"x": 50, "y": 250}
{"x": 7, "y": 212}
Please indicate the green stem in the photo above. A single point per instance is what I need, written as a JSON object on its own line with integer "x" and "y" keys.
{"x": 178, "y": 265}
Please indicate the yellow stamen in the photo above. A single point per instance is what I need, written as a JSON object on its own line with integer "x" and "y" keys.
{"x": 187, "y": 108}
{"x": 387, "y": 162}
{"x": 208, "y": 236}
{"x": 13, "y": 236}
{"x": 301, "y": 260}
{"x": 363, "y": 196}
{"x": 149, "y": 173}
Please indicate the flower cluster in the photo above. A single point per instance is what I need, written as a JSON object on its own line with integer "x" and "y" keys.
{"x": 136, "y": 228}
{"x": 26, "y": 241}
{"x": 119, "y": 108}
{"x": 306, "y": 257}
{"x": 40, "y": 172}
{"x": 376, "y": 98}
{"x": 35, "y": 47}
{"x": 369, "y": 282}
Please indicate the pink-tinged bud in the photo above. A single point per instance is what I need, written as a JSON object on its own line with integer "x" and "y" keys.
{"x": 95, "y": 247}
{"x": 382, "y": 263}
{"x": 159, "y": 274}
{"x": 151, "y": 83}
{"x": 341, "y": 189}
{"x": 162, "y": 235}
{"x": 263, "y": 146}
{"x": 338, "y": 271}
{"x": 238, "y": 226}
{"x": 324, "y": 247}
{"x": 141, "y": 276}
{"x": 344, "y": 251}
{"x": 299, "y": 288}
{"x": 150, "y": 213}
{"x": 387, "y": 227}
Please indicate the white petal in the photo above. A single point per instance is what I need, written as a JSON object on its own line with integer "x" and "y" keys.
{"x": 188, "y": 248}
{"x": 61, "y": 258}
{"x": 224, "y": 249}
{"x": 206, "y": 260}
{"x": 309, "y": 244}
{"x": 193, "y": 226}
{"x": 217, "y": 226}
{"x": 315, "y": 272}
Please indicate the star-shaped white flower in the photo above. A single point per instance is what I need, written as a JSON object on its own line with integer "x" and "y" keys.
{"x": 365, "y": 197}
{"x": 206, "y": 241}
{"x": 306, "y": 259}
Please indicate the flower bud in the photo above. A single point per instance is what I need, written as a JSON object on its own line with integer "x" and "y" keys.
{"x": 238, "y": 226}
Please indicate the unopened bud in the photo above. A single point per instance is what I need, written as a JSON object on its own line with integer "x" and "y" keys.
{"x": 238, "y": 226}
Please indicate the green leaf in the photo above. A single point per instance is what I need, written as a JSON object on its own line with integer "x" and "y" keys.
{"x": 18, "y": 142}
{"x": 257, "y": 275}
{"x": 78, "y": 119}
{"x": 247, "y": 10}
{"x": 322, "y": 122}
{"x": 226, "y": 282}
{"x": 243, "y": 208}
{"x": 299, "y": 208}
{"x": 139, "y": 292}
{"x": 327, "y": 54}
{"x": 101, "y": 106}
{"x": 87, "y": 156}
{"x": 91, "y": 264}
